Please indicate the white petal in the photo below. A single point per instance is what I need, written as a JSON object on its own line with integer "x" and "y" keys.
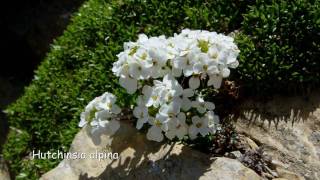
{"x": 182, "y": 117}
{"x": 179, "y": 63}
{"x": 188, "y": 71}
{"x": 170, "y": 134}
{"x": 142, "y": 38}
{"x": 115, "y": 109}
{"x": 176, "y": 72}
{"x": 196, "y": 119}
{"x": 112, "y": 127}
{"x": 209, "y": 105}
{"x": 198, "y": 68}
{"x": 201, "y": 109}
{"x": 204, "y": 131}
{"x": 181, "y": 132}
{"x": 82, "y": 122}
{"x": 193, "y": 131}
{"x": 141, "y": 122}
{"x": 215, "y": 80}
{"x": 225, "y": 72}
{"x": 164, "y": 127}
{"x": 94, "y": 123}
{"x": 147, "y": 90}
{"x": 129, "y": 84}
{"x": 186, "y": 104}
{"x": 103, "y": 115}
{"x": 194, "y": 82}
{"x": 188, "y": 92}
{"x": 135, "y": 70}
{"x": 234, "y": 64}
{"x": 155, "y": 134}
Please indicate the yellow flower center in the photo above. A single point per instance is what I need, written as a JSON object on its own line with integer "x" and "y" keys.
{"x": 133, "y": 50}
{"x": 144, "y": 56}
{"x": 171, "y": 115}
{"x": 198, "y": 125}
{"x": 92, "y": 114}
{"x": 205, "y": 67}
{"x": 203, "y": 45}
{"x": 154, "y": 97}
{"x": 157, "y": 123}
{"x": 214, "y": 55}
{"x": 109, "y": 105}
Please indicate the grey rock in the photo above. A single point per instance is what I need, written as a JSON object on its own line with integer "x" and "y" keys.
{"x": 4, "y": 172}
{"x": 288, "y": 130}
{"x": 143, "y": 159}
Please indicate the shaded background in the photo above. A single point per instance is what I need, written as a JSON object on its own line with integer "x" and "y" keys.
{"x": 27, "y": 29}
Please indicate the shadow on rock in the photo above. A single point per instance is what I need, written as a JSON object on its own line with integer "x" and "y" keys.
{"x": 291, "y": 110}
{"x": 140, "y": 158}
{"x": 288, "y": 129}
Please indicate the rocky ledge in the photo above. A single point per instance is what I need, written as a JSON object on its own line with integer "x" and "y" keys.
{"x": 286, "y": 129}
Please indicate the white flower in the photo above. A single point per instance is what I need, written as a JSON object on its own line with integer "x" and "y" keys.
{"x": 107, "y": 103}
{"x": 138, "y": 70}
{"x": 185, "y": 63}
{"x": 100, "y": 114}
{"x": 130, "y": 84}
{"x": 215, "y": 80}
{"x": 159, "y": 124}
{"x": 172, "y": 109}
{"x": 141, "y": 112}
{"x": 199, "y": 125}
{"x": 142, "y": 38}
{"x": 186, "y": 102}
{"x": 177, "y": 127}
{"x": 90, "y": 113}
{"x": 110, "y": 127}
{"x": 205, "y": 65}
{"x": 152, "y": 95}
{"x": 121, "y": 67}
{"x": 162, "y": 91}
{"x": 213, "y": 121}
{"x": 194, "y": 82}
{"x": 202, "y": 106}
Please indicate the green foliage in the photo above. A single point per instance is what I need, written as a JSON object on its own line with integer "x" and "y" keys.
{"x": 286, "y": 42}
{"x": 279, "y": 42}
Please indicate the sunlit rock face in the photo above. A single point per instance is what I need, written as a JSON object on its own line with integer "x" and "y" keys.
{"x": 288, "y": 129}
{"x": 141, "y": 158}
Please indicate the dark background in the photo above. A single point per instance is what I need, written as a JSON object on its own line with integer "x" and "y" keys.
{"x": 27, "y": 29}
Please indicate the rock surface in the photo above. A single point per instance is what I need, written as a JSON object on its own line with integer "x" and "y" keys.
{"x": 143, "y": 159}
{"x": 288, "y": 129}
{"x": 4, "y": 173}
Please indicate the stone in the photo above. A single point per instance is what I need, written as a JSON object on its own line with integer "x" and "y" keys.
{"x": 287, "y": 128}
{"x": 143, "y": 159}
{"x": 251, "y": 143}
{"x": 4, "y": 172}
{"x": 236, "y": 154}
{"x": 289, "y": 175}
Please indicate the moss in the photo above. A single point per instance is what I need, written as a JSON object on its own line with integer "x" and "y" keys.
{"x": 286, "y": 42}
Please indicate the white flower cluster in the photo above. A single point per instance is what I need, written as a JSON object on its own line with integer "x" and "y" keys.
{"x": 192, "y": 53}
{"x": 167, "y": 72}
{"x": 101, "y": 112}
{"x": 166, "y": 105}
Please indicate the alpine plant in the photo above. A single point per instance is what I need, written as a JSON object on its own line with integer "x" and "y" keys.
{"x": 168, "y": 74}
